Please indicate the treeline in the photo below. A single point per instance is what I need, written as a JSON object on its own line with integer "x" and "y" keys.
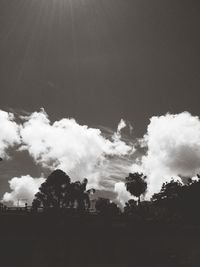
{"x": 174, "y": 203}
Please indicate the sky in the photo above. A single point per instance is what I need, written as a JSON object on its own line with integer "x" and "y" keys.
{"x": 99, "y": 62}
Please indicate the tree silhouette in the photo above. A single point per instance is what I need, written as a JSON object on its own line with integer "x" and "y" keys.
{"x": 52, "y": 193}
{"x": 36, "y": 203}
{"x": 180, "y": 200}
{"x": 78, "y": 194}
{"x": 189, "y": 200}
{"x": 170, "y": 190}
{"x": 135, "y": 184}
{"x": 170, "y": 199}
{"x": 58, "y": 192}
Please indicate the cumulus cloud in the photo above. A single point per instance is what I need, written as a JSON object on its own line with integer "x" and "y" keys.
{"x": 9, "y": 134}
{"x": 173, "y": 149}
{"x": 172, "y": 143}
{"x": 77, "y": 149}
{"x": 23, "y": 190}
{"x": 122, "y": 194}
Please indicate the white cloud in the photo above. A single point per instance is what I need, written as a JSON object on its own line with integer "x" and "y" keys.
{"x": 9, "y": 133}
{"x": 121, "y": 125}
{"x": 117, "y": 135}
{"x": 123, "y": 194}
{"x": 23, "y": 190}
{"x": 173, "y": 143}
{"x": 77, "y": 149}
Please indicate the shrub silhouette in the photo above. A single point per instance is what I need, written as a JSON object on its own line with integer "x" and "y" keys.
{"x": 106, "y": 207}
{"x": 130, "y": 207}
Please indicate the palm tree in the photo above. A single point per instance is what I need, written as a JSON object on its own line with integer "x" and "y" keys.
{"x": 135, "y": 184}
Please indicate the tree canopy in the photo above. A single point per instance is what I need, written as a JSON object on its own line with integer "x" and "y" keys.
{"x": 180, "y": 199}
{"x": 136, "y": 184}
{"x": 170, "y": 190}
{"x": 59, "y": 192}
{"x": 52, "y": 193}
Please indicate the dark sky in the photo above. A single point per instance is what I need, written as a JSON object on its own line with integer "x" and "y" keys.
{"x": 100, "y": 60}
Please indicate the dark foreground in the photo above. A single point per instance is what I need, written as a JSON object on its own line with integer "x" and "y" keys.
{"x": 51, "y": 241}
